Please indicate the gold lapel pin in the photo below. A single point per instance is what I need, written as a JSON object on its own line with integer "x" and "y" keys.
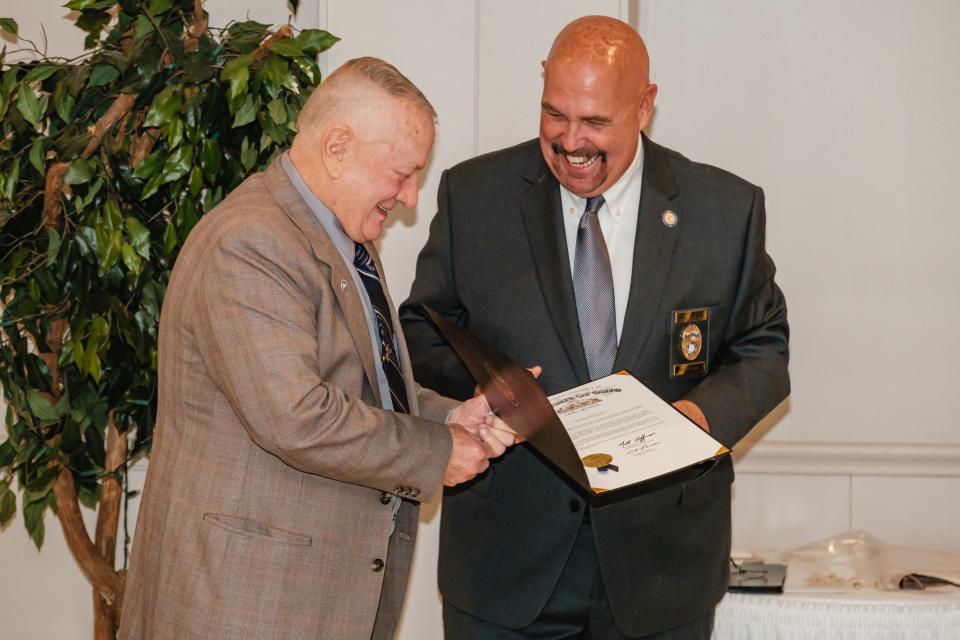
{"x": 669, "y": 218}
{"x": 343, "y": 284}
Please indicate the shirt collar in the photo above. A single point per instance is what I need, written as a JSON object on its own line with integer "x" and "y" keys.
{"x": 622, "y": 197}
{"x": 344, "y": 243}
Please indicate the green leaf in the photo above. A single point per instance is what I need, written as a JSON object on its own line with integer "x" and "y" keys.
{"x": 314, "y": 41}
{"x": 186, "y": 218}
{"x": 139, "y": 237}
{"x": 173, "y": 130}
{"x": 33, "y": 521}
{"x": 111, "y": 217}
{"x": 64, "y": 103}
{"x": 131, "y": 259}
{"x": 101, "y": 328}
{"x": 164, "y": 107}
{"x": 110, "y": 244}
{"x": 92, "y": 364}
{"x": 10, "y": 184}
{"x": 196, "y": 181}
{"x": 170, "y": 240}
{"x": 41, "y": 73}
{"x": 78, "y": 356}
{"x": 246, "y": 114}
{"x": 41, "y": 407}
{"x": 10, "y": 25}
{"x": 92, "y": 20}
{"x": 210, "y": 160}
{"x": 36, "y": 156}
{"x": 80, "y": 5}
{"x": 143, "y": 27}
{"x": 275, "y": 70}
{"x": 287, "y": 47}
{"x": 103, "y": 74}
{"x": 53, "y": 248}
{"x": 237, "y": 72}
{"x": 80, "y": 171}
{"x": 160, "y": 6}
{"x": 9, "y": 81}
{"x": 178, "y": 164}
{"x": 7, "y": 453}
{"x": 309, "y": 69}
{"x": 8, "y": 506}
{"x": 248, "y": 154}
{"x": 152, "y": 186}
{"x": 31, "y": 106}
{"x": 150, "y": 165}
{"x": 277, "y": 111}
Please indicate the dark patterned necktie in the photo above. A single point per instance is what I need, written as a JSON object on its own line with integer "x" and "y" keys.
{"x": 593, "y": 287}
{"x": 389, "y": 360}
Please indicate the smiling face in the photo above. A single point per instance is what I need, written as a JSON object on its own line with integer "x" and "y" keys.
{"x": 596, "y": 100}
{"x": 384, "y": 165}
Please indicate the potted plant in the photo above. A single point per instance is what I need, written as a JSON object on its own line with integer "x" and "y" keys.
{"x": 107, "y": 161}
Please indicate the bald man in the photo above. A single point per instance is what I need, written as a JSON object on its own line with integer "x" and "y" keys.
{"x": 292, "y": 445}
{"x": 590, "y": 250}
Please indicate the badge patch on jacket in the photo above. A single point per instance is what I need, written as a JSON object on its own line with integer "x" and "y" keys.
{"x": 689, "y": 342}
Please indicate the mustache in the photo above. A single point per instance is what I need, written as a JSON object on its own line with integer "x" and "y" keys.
{"x": 587, "y": 152}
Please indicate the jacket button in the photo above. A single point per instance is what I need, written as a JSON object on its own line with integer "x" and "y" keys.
{"x": 385, "y": 498}
{"x": 574, "y": 506}
{"x": 376, "y": 565}
{"x": 415, "y": 493}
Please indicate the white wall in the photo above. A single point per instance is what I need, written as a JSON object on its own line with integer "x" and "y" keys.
{"x": 844, "y": 112}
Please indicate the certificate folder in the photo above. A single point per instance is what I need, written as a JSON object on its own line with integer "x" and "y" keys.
{"x": 611, "y": 436}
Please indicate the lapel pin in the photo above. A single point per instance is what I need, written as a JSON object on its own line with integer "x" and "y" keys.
{"x": 669, "y": 218}
{"x": 343, "y": 285}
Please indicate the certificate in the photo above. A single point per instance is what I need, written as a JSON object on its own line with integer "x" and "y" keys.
{"x": 605, "y": 436}
{"x": 623, "y": 433}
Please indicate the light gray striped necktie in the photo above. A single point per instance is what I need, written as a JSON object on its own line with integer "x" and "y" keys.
{"x": 593, "y": 287}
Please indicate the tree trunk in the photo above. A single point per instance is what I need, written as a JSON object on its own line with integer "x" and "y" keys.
{"x": 106, "y": 617}
{"x": 96, "y": 562}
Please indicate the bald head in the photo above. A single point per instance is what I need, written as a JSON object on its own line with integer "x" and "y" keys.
{"x": 597, "y": 97}
{"x": 602, "y": 41}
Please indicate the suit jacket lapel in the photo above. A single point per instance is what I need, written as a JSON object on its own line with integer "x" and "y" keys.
{"x": 341, "y": 280}
{"x": 652, "y": 256}
{"x": 540, "y": 205}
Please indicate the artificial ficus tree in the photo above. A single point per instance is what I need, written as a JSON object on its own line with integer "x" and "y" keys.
{"x": 107, "y": 161}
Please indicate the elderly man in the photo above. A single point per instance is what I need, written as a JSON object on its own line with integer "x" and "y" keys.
{"x": 610, "y": 252}
{"x": 291, "y": 442}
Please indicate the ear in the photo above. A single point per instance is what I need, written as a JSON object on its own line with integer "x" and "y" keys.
{"x": 335, "y": 146}
{"x": 646, "y": 105}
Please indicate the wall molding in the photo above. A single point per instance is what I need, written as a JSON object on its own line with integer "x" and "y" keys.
{"x": 848, "y": 458}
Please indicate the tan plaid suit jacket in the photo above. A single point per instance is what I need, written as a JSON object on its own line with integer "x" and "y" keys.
{"x": 265, "y": 512}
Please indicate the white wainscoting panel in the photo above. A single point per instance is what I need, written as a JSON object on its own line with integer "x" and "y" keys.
{"x": 785, "y": 510}
{"x": 913, "y": 511}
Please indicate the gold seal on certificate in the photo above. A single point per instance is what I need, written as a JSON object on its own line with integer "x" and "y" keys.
{"x": 597, "y": 460}
{"x": 689, "y": 335}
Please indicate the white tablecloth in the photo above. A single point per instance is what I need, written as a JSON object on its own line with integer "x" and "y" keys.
{"x": 862, "y": 615}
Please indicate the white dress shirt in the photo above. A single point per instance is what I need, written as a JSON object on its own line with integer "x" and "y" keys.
{"x": 618, "y": 223}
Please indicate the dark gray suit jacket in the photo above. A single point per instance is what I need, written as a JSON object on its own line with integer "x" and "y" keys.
{"x": 496, "y": 262}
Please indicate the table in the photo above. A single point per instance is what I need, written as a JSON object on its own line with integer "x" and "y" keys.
{"x": 867, "y": 614}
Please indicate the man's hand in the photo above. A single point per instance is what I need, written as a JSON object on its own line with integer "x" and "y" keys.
{"x": 692, "y": 411}
{"x": 470, "y": 454}
{"x": 475, "y": 416}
